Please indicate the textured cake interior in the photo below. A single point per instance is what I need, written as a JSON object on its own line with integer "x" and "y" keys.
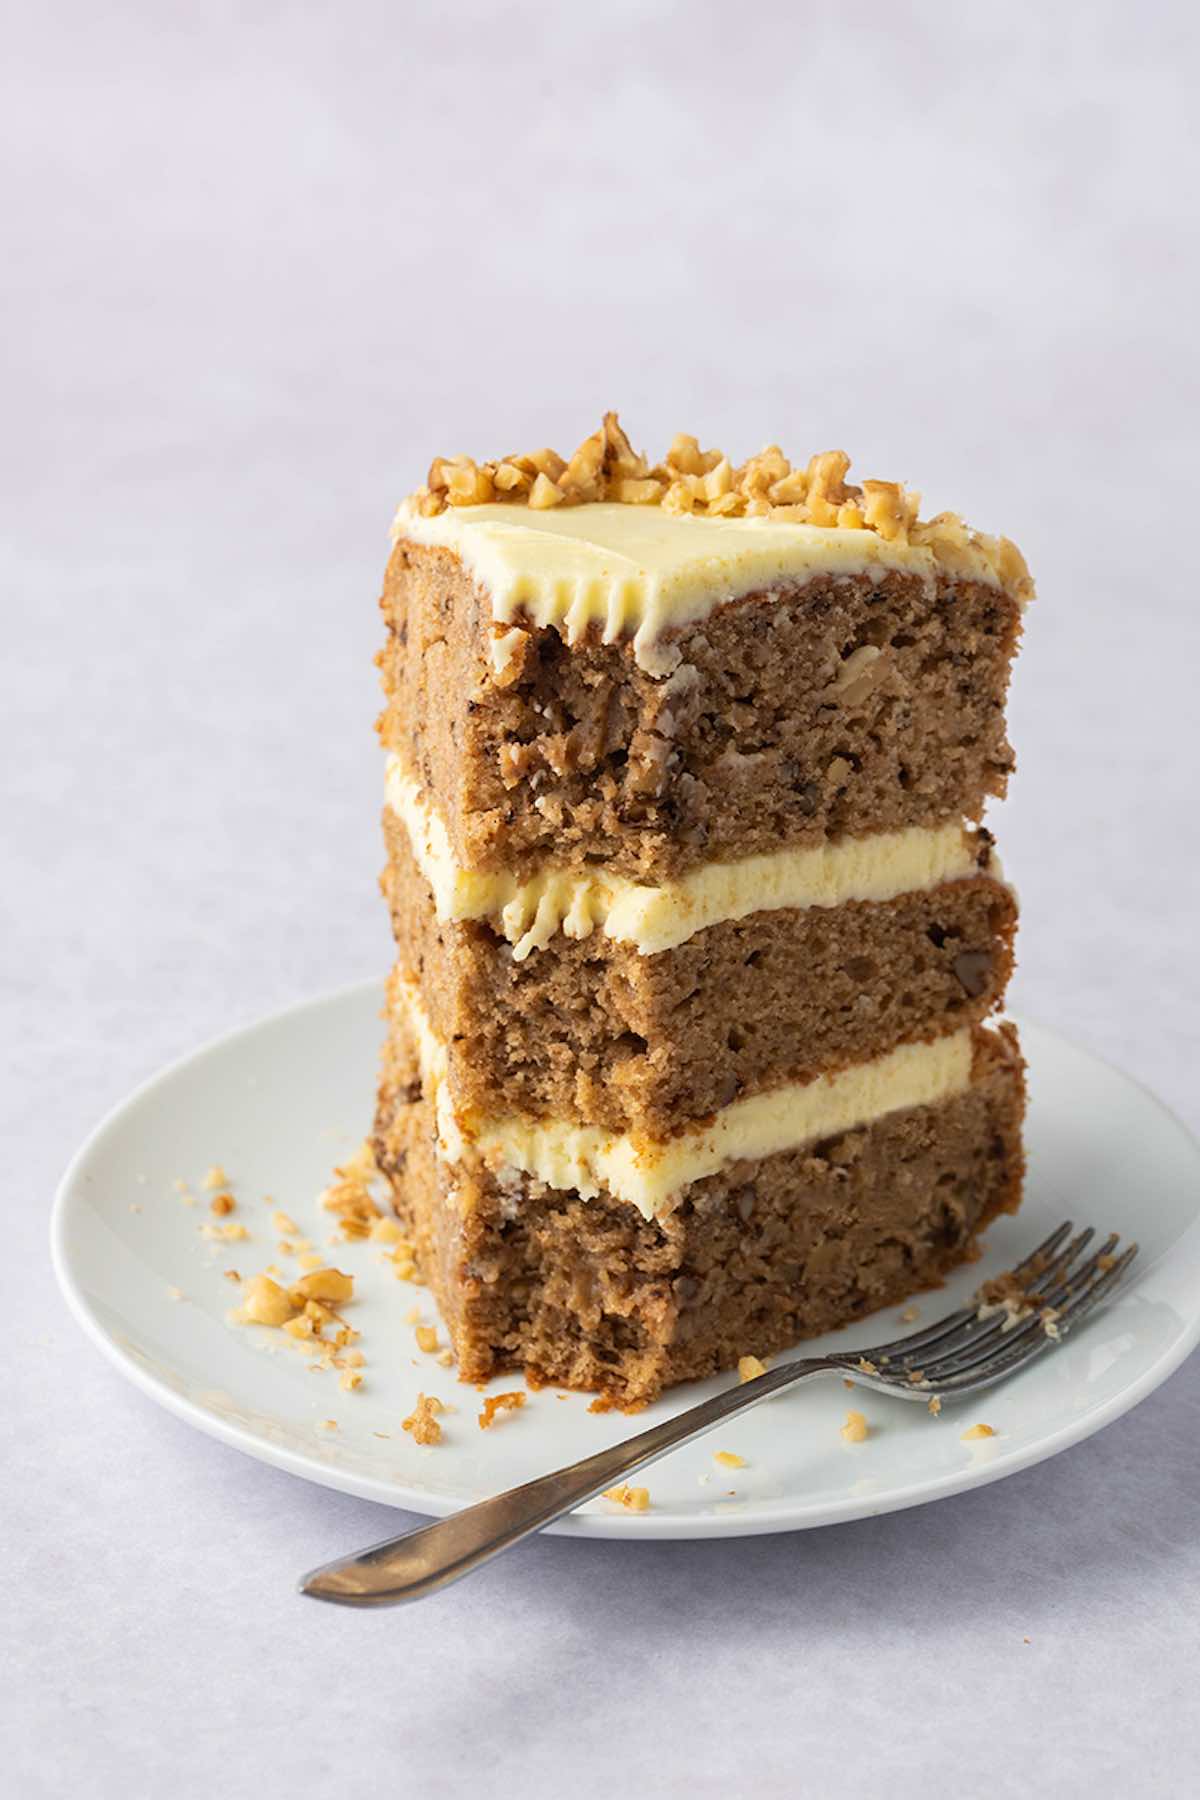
{"x": 774, "y": 729}
{"x": 854, "y": 706}
{"x": 633, "y": 1042}
{"x": 588, "y": 1293}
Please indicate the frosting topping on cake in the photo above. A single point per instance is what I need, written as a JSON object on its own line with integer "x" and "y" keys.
{"x": 607, "y": 539}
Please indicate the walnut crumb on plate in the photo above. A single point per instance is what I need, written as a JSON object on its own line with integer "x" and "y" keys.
{"x": 422, "y": 1422}
{"x": 633, "y": 1499}
{"x": 855, "y": 1430}
{"x": 750, "y": 1368}
{"x": 729, "y": 1459}
{"x": 978, "y": 1431}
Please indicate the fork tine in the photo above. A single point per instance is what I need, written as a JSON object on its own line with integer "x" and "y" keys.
{"x": 935, "y": 1334}
{"x": 1043, "y": 1290}
{"x": 1083, "y": 1303}
{"x": 1058, "y": 1266}
{"x": 1046, "y": 1303}
{"x": 1031, "y": 1338}
{"x": 1046, "y": 1249}
{"x": 1079, "y": 1277}
{"x": 982, "y": 1328}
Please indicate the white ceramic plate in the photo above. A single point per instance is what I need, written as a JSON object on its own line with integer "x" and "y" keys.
{"x": 280, "y": 1102}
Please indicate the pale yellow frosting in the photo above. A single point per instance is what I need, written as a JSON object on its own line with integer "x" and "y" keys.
{"x": 650, "y": 1174}
{"x": 652, "y": 919}
{"x": 641, "y": 572}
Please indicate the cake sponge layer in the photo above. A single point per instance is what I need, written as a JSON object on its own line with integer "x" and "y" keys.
{"x": 845, "y": 705}
{"x": 588, "y": 1293}
{"x": 627, "y": 1042}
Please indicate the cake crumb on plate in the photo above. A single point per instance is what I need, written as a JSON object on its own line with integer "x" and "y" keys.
{"x": 498, "y": 1403}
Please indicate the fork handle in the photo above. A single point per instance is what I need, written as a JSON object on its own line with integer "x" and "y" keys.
{"x": 420, "y": 1562}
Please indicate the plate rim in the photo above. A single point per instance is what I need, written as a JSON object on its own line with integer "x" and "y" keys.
{"x": 771, "y": 1516}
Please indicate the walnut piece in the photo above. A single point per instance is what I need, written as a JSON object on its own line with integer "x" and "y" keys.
{"x": 633, "y": 1499}
{"x": 856, "y": 1429}
{"x": 265, "y": 1302}
{"x": 324, "y": 1284}
{"x": 422, "y": 1421}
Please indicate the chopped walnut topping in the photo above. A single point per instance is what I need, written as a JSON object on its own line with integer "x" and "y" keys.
{"x": 606, "y": 467}
{"x": 422, "y": 1421}
{"x": 222, "y": 1204}
{"x": 856, "y": 1429}
{"x": 977, "y": 1431}
{"x": 750, "y": 1368}
{"x": 284, "y": 1224}
{"x": 498, "y": 1403}
{"x": 729, "y": 1459}
{"x": 350, "y": 1379}
{"x": 427, "y": 1338}
{"x": 633, "y": 1499}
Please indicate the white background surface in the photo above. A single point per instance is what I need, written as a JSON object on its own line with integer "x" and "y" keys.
{"x": 259, "y": 263}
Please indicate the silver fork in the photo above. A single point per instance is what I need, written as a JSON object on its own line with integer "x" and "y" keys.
{"x": 960, "y": 1356}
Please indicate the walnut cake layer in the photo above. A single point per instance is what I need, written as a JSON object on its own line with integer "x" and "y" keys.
{"x": 587, "y": 1291}
{"x": 824, "y": 705}
{"x": 646, "y": 1042}
{"x": 696, "y": 923}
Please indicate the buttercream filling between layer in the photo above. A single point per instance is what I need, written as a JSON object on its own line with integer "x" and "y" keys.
{"x": 653, "y": 919}
{"x": 650, "y": 1173}
{"x": 642, "y": 573}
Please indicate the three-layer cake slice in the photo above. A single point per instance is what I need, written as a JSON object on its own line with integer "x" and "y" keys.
{"x": 696, "y": 924}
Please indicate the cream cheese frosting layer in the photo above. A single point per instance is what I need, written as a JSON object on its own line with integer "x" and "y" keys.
{"x": 640, "y": 572}
{"x": 653, "y": 919}
{"x": 649, "y": 1173}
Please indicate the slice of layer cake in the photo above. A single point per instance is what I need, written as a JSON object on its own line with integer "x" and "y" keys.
{"x": 696, "y": 924}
